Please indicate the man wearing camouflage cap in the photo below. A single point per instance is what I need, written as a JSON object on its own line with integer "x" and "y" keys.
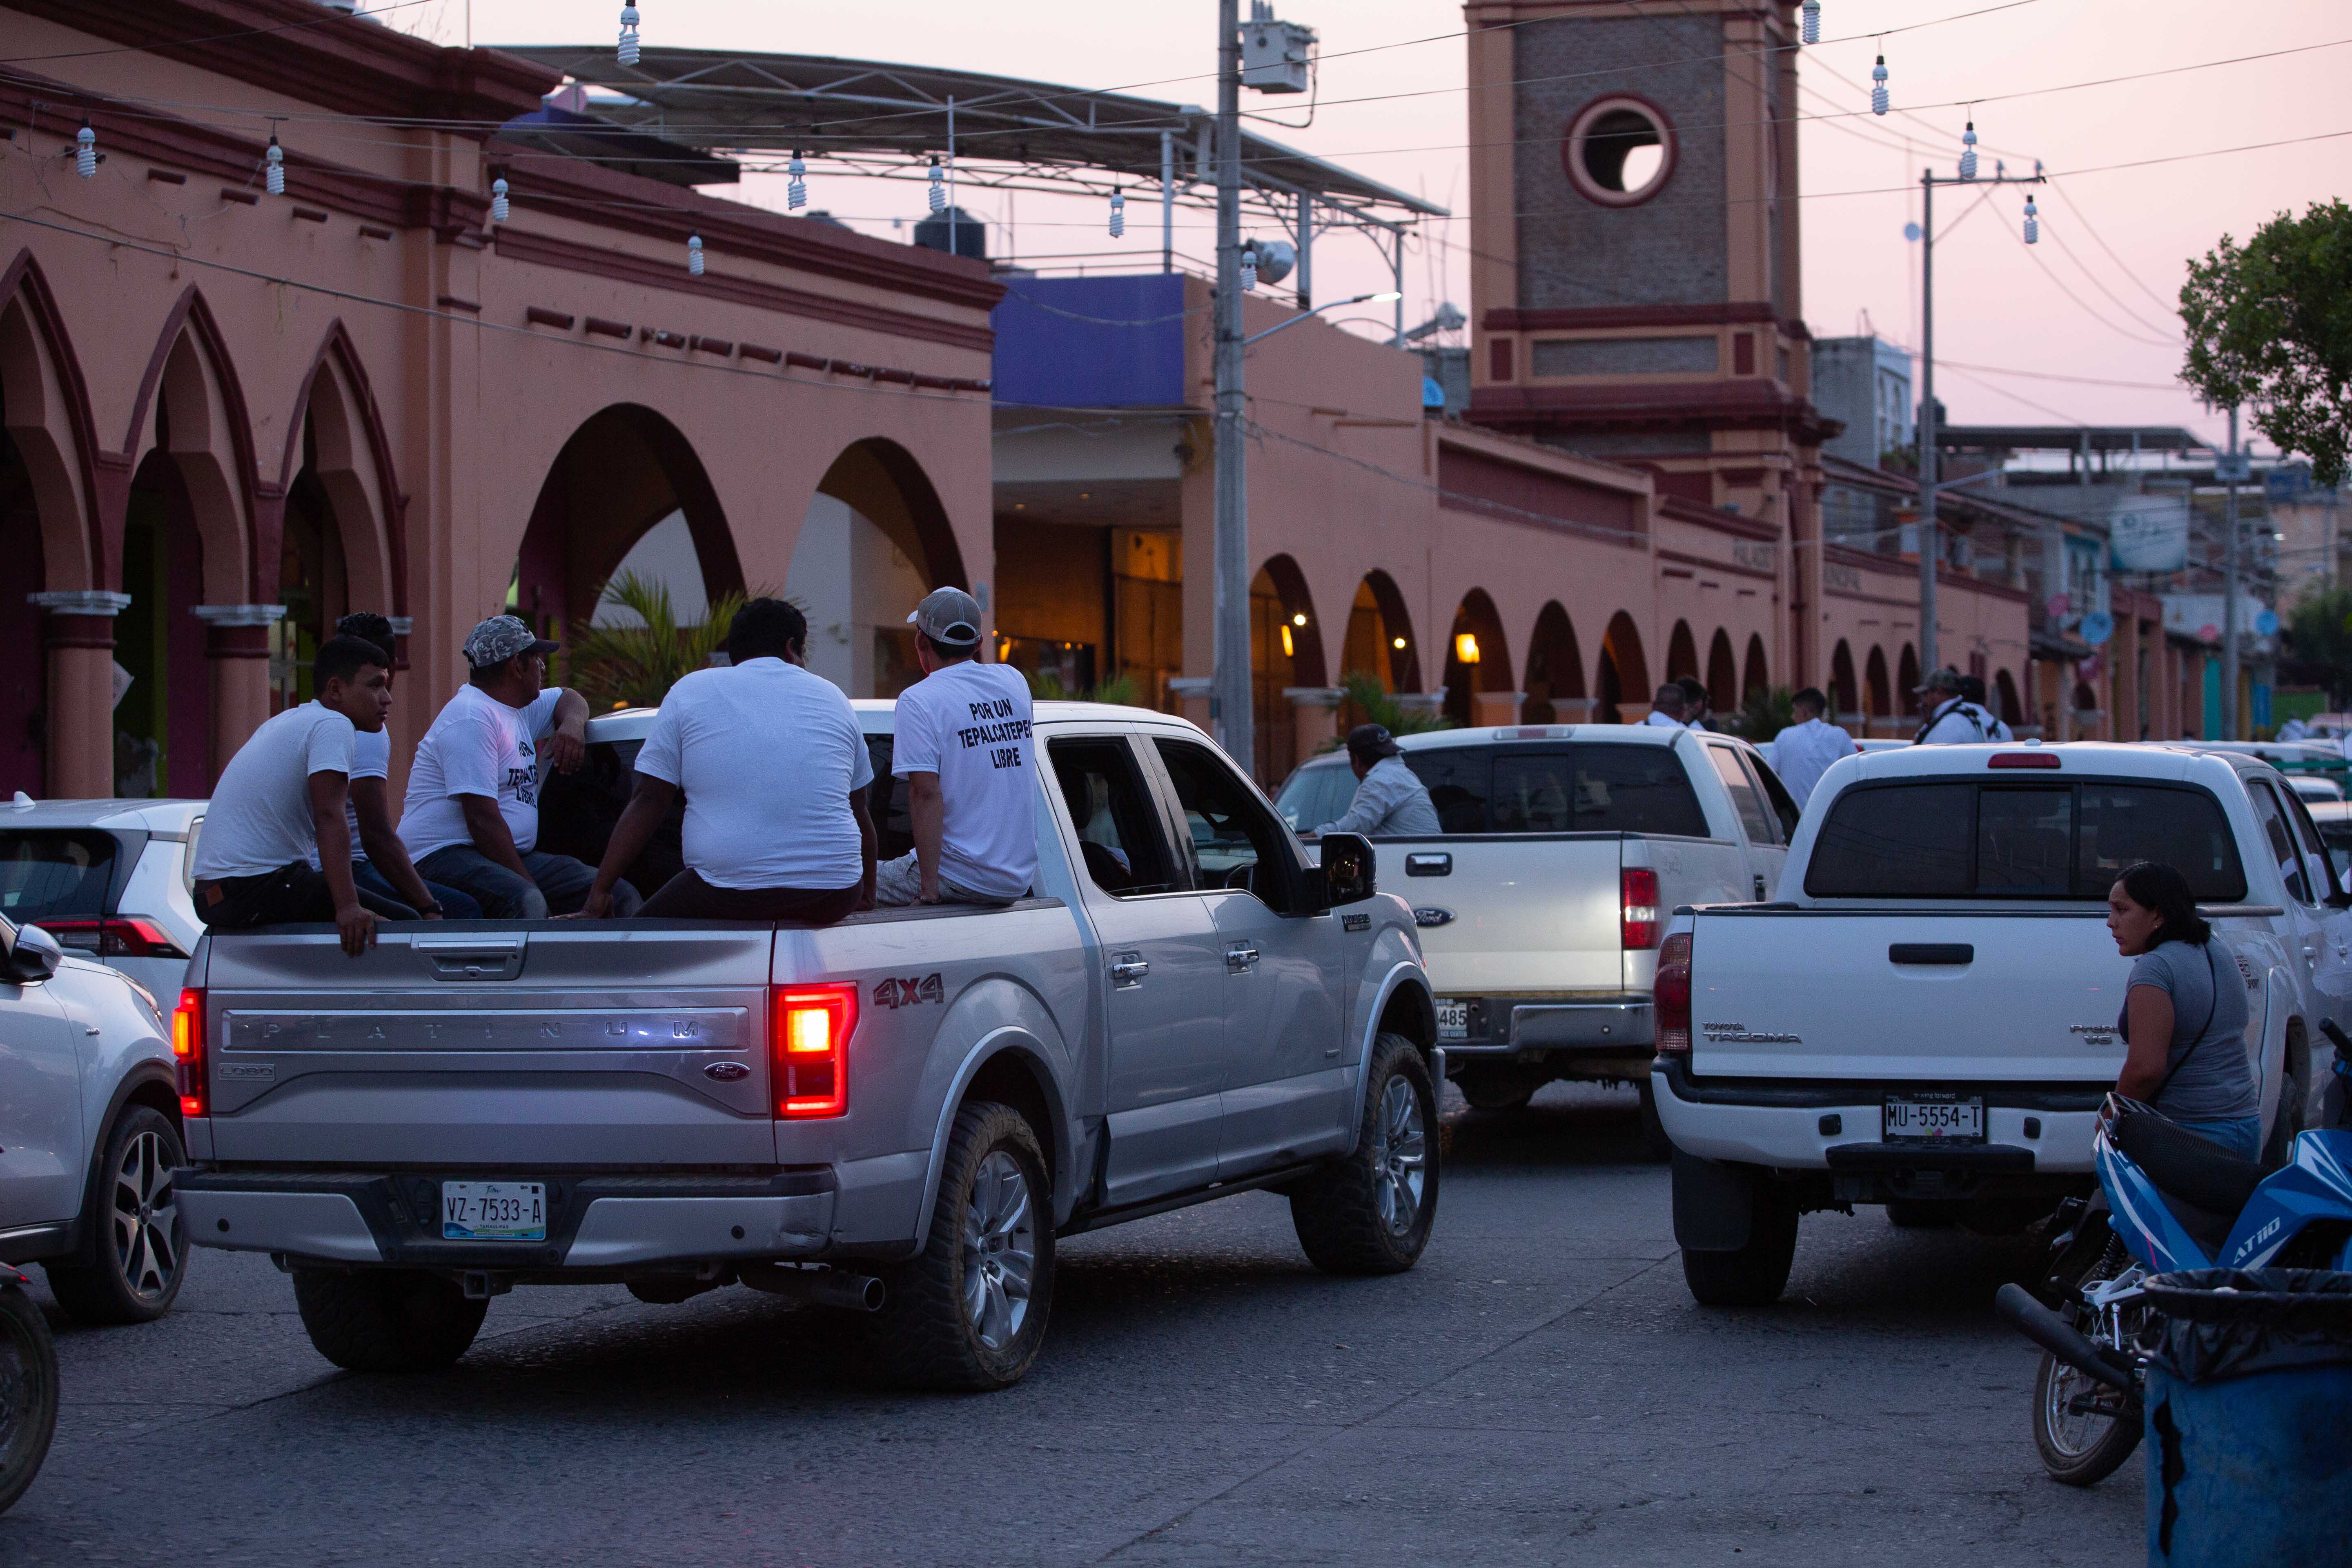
{"x": 472, "y": 813}
{"x": 1952, "y": 718}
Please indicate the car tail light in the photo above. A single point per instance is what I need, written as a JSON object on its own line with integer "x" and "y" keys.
{"x": 119, "y": 936}
{"x": 188, "y": 1051}
{"x": 814, "y": 1023}
{"x": 1672, "y": 994}
{"x": 2024, "y": 760}
{"x": 1639, "y": 928}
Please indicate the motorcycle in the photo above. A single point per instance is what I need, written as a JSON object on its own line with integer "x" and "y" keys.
{"x": 28, "y": 1387}
{"x": 2167, "y": 1200}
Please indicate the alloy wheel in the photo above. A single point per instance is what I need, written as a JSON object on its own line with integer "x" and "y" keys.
{"x": 146, "y": 1217}
{"x": 1000, "y": 1249}
{"x": 1399, "y": 1156}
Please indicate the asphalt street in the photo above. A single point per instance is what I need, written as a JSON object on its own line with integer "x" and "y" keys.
{"x": 1542, "y": 1389}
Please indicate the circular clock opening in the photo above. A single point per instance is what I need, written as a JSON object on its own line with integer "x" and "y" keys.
{"x": 1620, "y": 150}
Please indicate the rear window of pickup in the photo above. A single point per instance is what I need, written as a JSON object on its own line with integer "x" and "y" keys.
{"x": 1522, "y": 789}
{"x": 1973, "y": 840}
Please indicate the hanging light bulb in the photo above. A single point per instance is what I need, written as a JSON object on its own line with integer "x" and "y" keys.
{"x": 273, "y": 177}
{"x": 1968, "y": 152}
{"x": 1117, "y": 214}
{"x": 694, "y": 255}
{"x": 1812, "y": 9}
{"x": 1878, "y": 103}
{"x": 628, "y": 34}
{"x": 1249, "y": 266}
{"x": 796, "y": 192}
{"x": 499, "y": 208}
{"x": 85, "y": 151}
{"x": 938, "y": 187}
{"x": 2033, "y": 222}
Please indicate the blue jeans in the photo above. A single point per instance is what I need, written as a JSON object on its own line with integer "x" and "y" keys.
{"x": 455, "y": 905}
{"x": 2240, "y": 1135}
{"x": 558, "y": 886}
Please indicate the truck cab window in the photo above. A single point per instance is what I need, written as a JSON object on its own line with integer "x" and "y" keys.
{"x": 2316, "y": 856}
{"x": 1756, "y": 819}
{"x": 1319, "y": 793}
{"x": 1784, "y": 805}
{"x": 1108, "y": 805}
{"x": 1456, "y": 778}
{"x": 2281, "y": 838}
{"x": 2025, "y": 843}
{"x": 1236, "y": 843}
{"x": 1595, "y": 789}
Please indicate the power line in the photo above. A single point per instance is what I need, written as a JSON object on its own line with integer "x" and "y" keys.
{"x": 2058, "y": 233}
{"x": 2077, "y": 208}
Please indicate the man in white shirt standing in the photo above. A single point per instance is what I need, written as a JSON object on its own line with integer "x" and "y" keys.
{"x": 1952, "y": 718}
{"x": 962, "y": 744}
{"x": 472, "y": 816}
{"x": 276, "y": 847}
{"x": 1803, "y": 752}
{"x": 774, "y": 773}
{"x": 1667, "y": 709}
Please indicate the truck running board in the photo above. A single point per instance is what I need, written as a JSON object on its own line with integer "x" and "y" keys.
{"x": 1098, "y": 1218}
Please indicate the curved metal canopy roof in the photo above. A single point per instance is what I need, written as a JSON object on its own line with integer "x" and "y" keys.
{"x": 1021, "y": 132}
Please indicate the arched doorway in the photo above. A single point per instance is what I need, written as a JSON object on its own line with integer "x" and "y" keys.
{"x": 1682, "y": 653}
{"x": 1285, "y": 652}
{"x": 875, "y": 539}
{"x": 24, "y": 663}
{"x": 1623, "y": 683}
{"x": 1722, "y": 675}
{"x": 2004, "y": 690}
{"x": 1841, "y": 684}
{"x": 1379, "y": 644}
{"x": 1756, "y": 677}
{"x": 1906, "y": 682}
{"x": 1478, "y": 659}
{"x": 1555, "y": 672}
{"x": 337, "y": 550}
{"x": 1877, "y": 701}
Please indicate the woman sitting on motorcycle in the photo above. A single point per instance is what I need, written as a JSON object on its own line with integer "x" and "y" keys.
{"x": 2184, "y": 1013}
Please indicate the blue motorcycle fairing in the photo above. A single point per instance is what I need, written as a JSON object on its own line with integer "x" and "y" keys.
{"x": 2156, "y": 1240}
{"x": 2317, "y": 1185}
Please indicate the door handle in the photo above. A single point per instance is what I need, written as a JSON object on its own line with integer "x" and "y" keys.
{"x": 1759, "y": 886}
{"x": 1127, "y": 971}
{"x": 1239, "y": 958}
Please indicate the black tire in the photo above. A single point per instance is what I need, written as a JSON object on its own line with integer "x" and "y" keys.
{"x": 1913, "y": 1213}
{"x": 1363, "y": 1214}
{"x": 2084, "y": 1450}
{"x": 134, "y": 1227}
{"x": 28, "y": 1392}
{"x": 1655, "y": 1144}
{"x": 1492, "y": 1091}
{"x": 932, "y": 1331}
{"x": 1756, "y": 1274}
{"x": 386, "y": 1320}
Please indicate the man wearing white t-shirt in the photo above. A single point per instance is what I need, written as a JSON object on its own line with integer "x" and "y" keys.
{"x": 276, "y": 847}
{"x": 379, "y": 863}
{"x": 1667, "y": 709}
{"x": 1803, "y": 752}
{"x": 962, "y": 743}
{"x": 472, "y": 816}
{"x": 775, "y": 772}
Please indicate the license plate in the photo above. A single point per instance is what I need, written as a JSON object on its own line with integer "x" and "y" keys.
{"x": 1453, "y": 1020}
{"x": 493, "y": 1210}
{"x": 1934, "y": 1118}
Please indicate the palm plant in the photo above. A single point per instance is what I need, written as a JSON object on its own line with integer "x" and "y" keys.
{"x": 1765, "y": 714}
{"x": 636, "y": 666}
{"x": 1379, "y": 707}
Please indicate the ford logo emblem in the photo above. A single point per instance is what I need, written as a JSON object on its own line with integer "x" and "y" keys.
{"x": 727, "y": 1072}
{"x": 1426, "y": 915}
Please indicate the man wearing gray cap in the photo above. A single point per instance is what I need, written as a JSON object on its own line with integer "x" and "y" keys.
{"x": 962, "y": 743}
{"x": 472, "y": 814}
{"x": 1390, "y": 800}
{"x": 1952, "y": 718}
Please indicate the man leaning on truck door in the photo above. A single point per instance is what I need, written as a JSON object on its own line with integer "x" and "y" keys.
{"x": 774, "y": 773}
{"x": 962, "y": 743}
{"x": 1390, "y": 800}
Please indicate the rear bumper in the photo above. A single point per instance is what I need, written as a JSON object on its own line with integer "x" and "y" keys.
{"x": 1809, "y": 1125}
{"x": 1507, "y": 1026}
{"x": 594, "y": 1222}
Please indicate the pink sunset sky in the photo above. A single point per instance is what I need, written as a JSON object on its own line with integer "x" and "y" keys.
{"x": 2077, "y": 329}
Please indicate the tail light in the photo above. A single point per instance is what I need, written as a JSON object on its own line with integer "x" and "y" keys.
{"x": 119, "y": 936}
{"x": 1639, "y": 927}
{"x": 1672, "y": 994}
{"x": 188, "y": 1051}
{"x": 814, "y": 1023}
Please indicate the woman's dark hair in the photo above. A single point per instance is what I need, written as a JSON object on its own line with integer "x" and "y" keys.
{"x": 2156, "y": 887}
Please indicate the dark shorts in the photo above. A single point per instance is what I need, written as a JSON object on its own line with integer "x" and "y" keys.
{"x": 291, "y": 895}
{"x": 687, "y": 896}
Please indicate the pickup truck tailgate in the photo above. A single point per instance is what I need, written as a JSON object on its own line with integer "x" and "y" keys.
{"x": 452, "y": 1047}
{"x": 1523, "y": 916}
{"x": 1922, "y": 995}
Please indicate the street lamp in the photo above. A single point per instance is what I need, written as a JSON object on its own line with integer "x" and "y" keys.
{"x": 1331, "y": 305}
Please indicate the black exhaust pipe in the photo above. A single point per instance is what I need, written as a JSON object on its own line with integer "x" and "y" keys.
{"x": 2045, "y": 1328}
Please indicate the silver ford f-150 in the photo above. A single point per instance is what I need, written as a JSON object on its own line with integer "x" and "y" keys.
{"x": 896, "y": 1115}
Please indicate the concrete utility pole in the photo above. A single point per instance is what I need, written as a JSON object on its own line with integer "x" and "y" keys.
{"x": 1230, "y": 695}
{"x": 1929, "y": 659}
{"x": 2230, "y": 589}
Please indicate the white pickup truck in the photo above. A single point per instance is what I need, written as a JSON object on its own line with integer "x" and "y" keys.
{"x": 1542, "y": 902}
{"x": 897, "y": 1114}
{"x": 1927, "y": 1017}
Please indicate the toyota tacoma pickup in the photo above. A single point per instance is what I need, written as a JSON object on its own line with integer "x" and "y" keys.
{"x": 1926, "y": 1018}
{"x": 895, "y": 1116}
{"x": 1542, "y": 901}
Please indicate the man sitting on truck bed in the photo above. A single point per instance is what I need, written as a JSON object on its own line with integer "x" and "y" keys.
{"x": 1391, "y": 800}
{"x": 774, "y": 773}
{"x": 472, "y": 814}
{"x": 278, "y": 811}
{"x": 961, "y": 741}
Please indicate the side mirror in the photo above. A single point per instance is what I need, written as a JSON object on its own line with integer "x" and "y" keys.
{"x": 35, "y": 957}
{"x": 1349, "y": 869}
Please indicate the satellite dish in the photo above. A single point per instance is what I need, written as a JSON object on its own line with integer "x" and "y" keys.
{"x": 2266, "y": 624}
{"x": 1911, "y": 231}
{"x": 2098, "y": 628}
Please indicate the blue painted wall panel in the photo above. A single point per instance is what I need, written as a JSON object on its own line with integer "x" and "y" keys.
{"x": 1092, "y": 342}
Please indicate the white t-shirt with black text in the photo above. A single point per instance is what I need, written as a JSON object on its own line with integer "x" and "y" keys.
{"x": 969, "y": 724}
{"x": 477, "y": 746}
{"x": 767, "y": 756}
{"x": 259, "y": 817}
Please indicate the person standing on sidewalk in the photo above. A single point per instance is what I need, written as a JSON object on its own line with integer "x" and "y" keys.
{"x": 962, "y": 744}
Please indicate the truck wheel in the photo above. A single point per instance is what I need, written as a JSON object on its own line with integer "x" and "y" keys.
{"x": 1371, "y": 1213}
{"x": 134, "y": 1225}
{"x": 386, "y": 1320}
{"x": 970, "y": 1313}
{"x": 1495, "y": 1090}
{"x": 1756, "y": 1274}
{"x": 28, "y": 1392}
{"x": 1655, "y": 1144}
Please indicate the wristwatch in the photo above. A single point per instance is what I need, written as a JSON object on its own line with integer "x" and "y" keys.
{"x": 428, "y": 908}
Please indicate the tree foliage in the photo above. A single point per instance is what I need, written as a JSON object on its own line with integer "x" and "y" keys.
{"x": 1364, "y": 690}
{"x": 2270, "y": 324}
{"x": 2319, "y": 639}
{"x": 636, "y": 666}
{"x": 1767, "y": 712}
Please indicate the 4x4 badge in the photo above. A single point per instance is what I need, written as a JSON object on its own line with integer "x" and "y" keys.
{"x": 907, "y": 993}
